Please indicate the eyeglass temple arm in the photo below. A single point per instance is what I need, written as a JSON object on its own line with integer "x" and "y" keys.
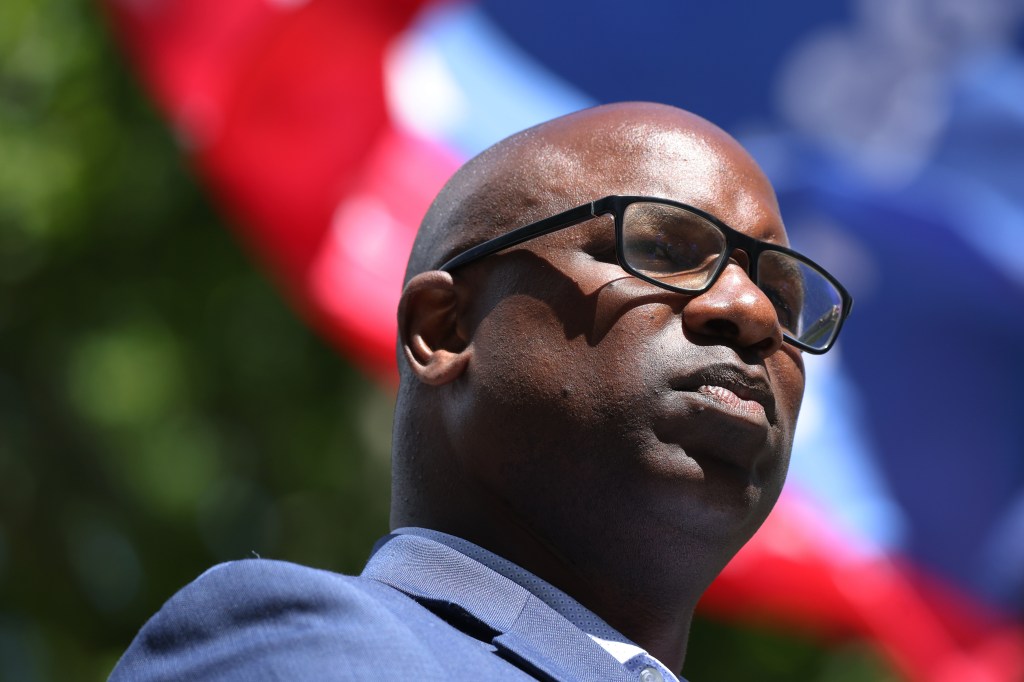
{"x": 519, "y": 235}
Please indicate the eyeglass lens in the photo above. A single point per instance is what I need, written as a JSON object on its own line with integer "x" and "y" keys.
{"x": 676, "y": 246}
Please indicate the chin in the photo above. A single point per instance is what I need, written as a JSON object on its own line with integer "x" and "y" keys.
{"x": 715, "y": 500}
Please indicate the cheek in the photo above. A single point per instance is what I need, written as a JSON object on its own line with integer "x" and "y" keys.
{"x": 562, "y": 330}
{"x": 537, "y": 358}
{"x": 550, "y": 406}
{"x": 626, "y": 306}
{"x": 572, "y": 357}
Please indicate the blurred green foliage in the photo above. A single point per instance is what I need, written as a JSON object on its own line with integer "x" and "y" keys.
{"x": 160, "y": 408}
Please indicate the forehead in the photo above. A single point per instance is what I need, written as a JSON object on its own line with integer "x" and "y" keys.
{"x": 702, "y": 167}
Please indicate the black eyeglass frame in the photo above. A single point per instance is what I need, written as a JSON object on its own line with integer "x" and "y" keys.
{"x": 616, "y": 206}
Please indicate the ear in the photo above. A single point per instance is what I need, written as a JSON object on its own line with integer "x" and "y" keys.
{"x": 435, "y": 347}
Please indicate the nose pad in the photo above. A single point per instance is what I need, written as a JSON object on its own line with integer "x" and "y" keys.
{"x": 736, "y": 311}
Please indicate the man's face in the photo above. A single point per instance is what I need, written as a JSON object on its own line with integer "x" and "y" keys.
{"x": 609, "y": 405}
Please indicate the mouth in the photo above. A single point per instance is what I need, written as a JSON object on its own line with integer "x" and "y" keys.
{"x": 730, "y": 399}
{"x": 741, "y": 391}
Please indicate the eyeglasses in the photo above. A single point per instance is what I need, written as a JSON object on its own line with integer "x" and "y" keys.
{"x": 684, "y": 249}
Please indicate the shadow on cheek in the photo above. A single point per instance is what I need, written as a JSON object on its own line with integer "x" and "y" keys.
{"x": 591, "y": 316}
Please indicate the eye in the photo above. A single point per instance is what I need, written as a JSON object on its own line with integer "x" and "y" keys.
{"x": 651, "y": 254}
{"x": 662, "y": 240}
{"x": 657, "y": 255}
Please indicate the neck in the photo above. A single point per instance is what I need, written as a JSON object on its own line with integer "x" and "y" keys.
{"x": 644, "y": 592}
{"x": 660, "y": 625}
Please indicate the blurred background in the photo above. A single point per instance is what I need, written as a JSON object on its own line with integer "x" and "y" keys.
{"x": 204, "y": 214}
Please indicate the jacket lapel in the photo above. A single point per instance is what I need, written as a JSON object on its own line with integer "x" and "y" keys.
{"x": 524, "y": 630}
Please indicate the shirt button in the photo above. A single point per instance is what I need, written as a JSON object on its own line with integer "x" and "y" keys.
{"x": 650, "y": 674}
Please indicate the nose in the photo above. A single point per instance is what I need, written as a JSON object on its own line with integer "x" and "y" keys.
{"x": 735, "y": 310}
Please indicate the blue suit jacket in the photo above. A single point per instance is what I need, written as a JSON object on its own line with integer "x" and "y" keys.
{"x": 420, "y": 611}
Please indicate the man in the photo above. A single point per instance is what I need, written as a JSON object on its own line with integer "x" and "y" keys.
{"x": 595, "y": 413}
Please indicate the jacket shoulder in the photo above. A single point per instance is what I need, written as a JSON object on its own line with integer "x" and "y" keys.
{"x": 265, "y": 619}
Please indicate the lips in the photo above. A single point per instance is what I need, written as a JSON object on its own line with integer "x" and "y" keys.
{"x": 733, "y": 388}
{"x": 731, "y": 400}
